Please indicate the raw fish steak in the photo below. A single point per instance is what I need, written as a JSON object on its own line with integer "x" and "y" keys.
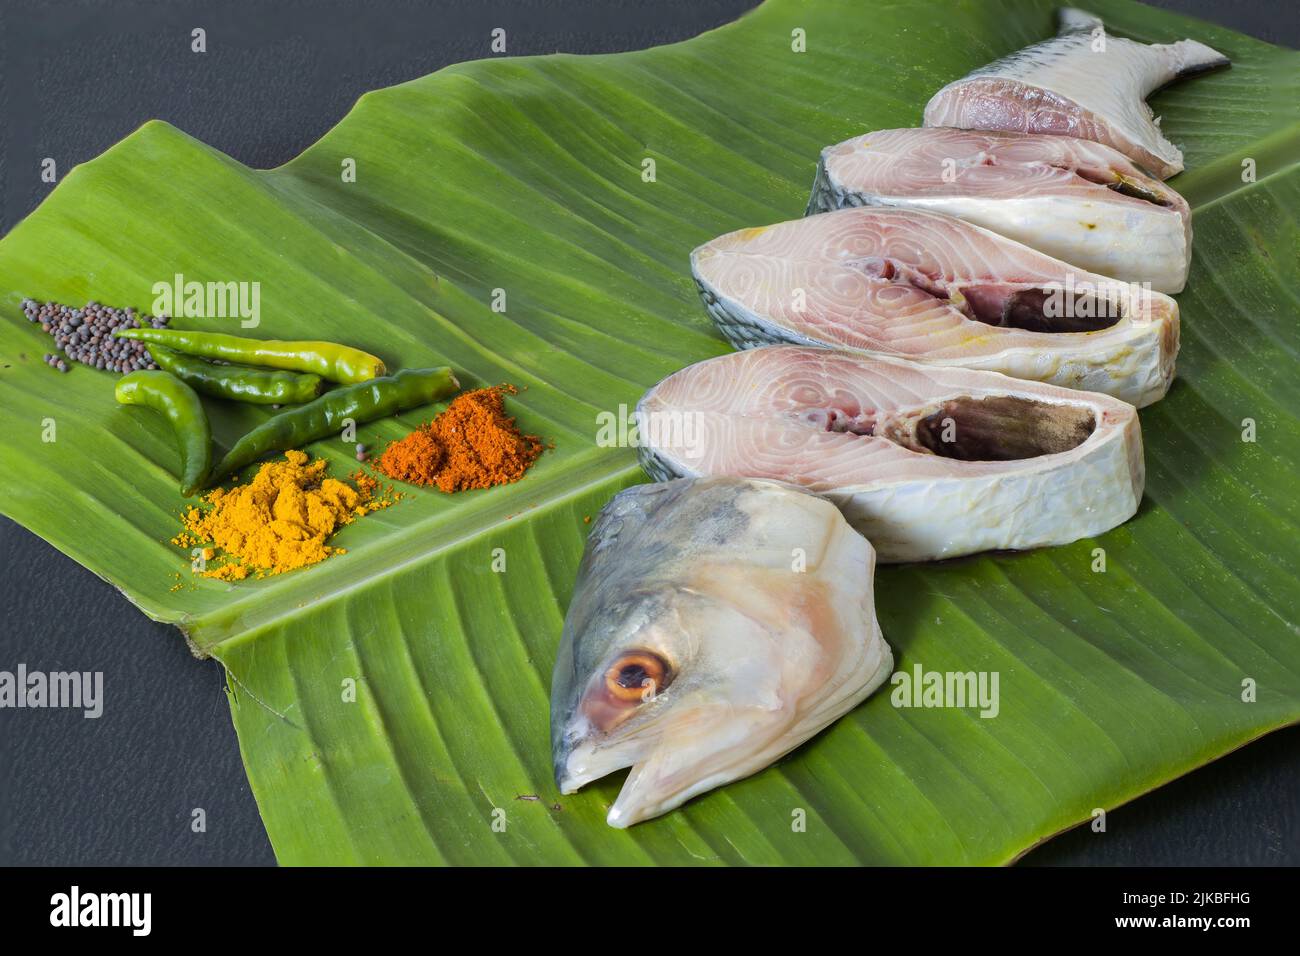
{"x": 931, "y": 288}
{"x": 1079, "y": 201}
{"x": 926, "y": 462}
{"x": 1081, "y": 83}
{"x": 716, "y": 625}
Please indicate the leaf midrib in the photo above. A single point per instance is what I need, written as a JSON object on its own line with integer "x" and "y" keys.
{"x": 245, "y": 618}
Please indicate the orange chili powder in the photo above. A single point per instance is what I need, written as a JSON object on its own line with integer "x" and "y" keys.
{"x": 473, "y": 444}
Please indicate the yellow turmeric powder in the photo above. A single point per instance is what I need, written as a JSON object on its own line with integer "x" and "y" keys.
{"x": 277, "y": 522}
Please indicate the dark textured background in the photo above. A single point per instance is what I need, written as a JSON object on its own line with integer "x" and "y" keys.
{"x": 77, "y": 76}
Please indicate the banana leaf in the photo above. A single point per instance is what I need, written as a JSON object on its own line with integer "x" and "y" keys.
{"x": 529, "y": 176}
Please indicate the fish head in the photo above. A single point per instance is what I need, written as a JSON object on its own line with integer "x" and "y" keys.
{"x": 679, "y": 683}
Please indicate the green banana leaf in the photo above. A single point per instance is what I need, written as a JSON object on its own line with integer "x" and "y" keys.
{"x": 527, "y": 175}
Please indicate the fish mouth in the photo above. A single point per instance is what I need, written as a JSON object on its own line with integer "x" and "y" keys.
{"x": 587, "y": 761}
{"x": 666, "y": 770}
{"x": 646, "y": 792}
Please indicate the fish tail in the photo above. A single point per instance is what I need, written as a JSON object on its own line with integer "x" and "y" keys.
{"x": 1074, "y": 20}
{"x": 1188, "y": 58}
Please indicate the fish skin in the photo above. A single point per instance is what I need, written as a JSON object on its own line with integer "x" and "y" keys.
{"x": 1065, "y": 86}
{"x": 816, "y": 418}
{"x": 1057, "y": 194}
{"x": 764, "y": 655}
{"x": 749, "y": 281}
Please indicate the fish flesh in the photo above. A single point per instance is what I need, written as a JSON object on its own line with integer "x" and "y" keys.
{"x": 716, "y": 624}
{"x": 1078, "y": 201}
{"x": 1081, "y": 83}
{"x": 931, "y": 288}
{"x": 927, "y": 462}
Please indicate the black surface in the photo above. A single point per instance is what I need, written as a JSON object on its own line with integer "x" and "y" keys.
{"x": 75, "y": 77}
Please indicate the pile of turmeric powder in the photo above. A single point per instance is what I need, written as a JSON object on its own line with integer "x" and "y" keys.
{"x": 279, "y": 521}
{"x": 473, "y": 444}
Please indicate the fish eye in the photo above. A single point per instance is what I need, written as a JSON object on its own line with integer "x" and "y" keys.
{"x": 637, "y": 675}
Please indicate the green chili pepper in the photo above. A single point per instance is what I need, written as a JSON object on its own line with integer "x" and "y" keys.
{"x": 304, "y": 424}
{"x": 166, "y": 393}
{"x": 239, "y": 383}
{"x": 338, "y": 363}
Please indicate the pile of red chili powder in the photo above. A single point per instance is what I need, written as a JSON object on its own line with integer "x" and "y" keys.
{"x": 473, "y": 444}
